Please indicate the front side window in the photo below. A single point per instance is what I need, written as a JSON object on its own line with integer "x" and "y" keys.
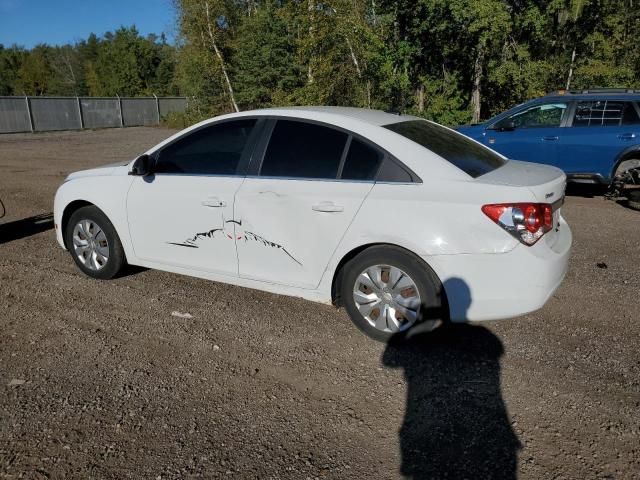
{"x": 213, "y": 150}
{"x": 547, "y": 115}
{"x": 303, "y": 150}
{"x": 604, "y": 113}
{"x": 461, "y": 151}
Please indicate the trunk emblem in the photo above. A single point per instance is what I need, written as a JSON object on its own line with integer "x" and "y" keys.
{"x": 548, "y": 195}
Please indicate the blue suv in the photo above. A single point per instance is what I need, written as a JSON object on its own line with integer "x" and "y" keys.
{"x": 593, "y": 135}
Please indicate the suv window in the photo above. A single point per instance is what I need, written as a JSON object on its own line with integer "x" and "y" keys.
{"x": 604, "y": 113}
{"x": 303, "y": 150}
{"x": 461, "y": 151}
{"x": 213, "y": 150}
{"x": 362, "y": 162}
{"x": 546, "y": 115}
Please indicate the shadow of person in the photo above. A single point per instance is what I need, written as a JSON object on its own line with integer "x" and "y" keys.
{"x": 456, "y": 424}
{"x": 25, "y": 228}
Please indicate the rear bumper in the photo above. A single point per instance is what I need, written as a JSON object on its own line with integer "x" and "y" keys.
{"x": 503, "y": 285}
{"x": 588, "y": 178}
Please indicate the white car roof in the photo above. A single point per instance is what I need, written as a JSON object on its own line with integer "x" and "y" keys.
{"x": 367, "y": 115}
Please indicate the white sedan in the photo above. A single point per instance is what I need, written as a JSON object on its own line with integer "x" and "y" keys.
{"x": 399, "y": 220}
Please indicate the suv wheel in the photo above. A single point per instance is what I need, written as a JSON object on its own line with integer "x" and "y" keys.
{"x": 388, "y": 291}
{"x": 94, "y": 243}
{"x": 626, "y": 165}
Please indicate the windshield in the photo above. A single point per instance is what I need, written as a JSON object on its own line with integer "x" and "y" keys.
{"x": 469, "y": 156}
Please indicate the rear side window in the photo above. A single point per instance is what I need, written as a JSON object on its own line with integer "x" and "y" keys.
{"x": 362, "y": 162}
{"x": 464, "y": 153}
{"x": 303, "y": 150}
{"x": 605, "y": 113}
{"x": 214, "y": 150}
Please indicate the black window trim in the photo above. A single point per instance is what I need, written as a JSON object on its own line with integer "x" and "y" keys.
{"x": 260, "y": 150}
{"x": 245, "y": 158}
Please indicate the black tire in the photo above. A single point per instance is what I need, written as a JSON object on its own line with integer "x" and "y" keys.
{"x": 433, "y": 309}
{"x": 634, "y": 200}
{"x": 116, "y": 259}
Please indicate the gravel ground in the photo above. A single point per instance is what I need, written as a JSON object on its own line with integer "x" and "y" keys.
{"x": 99, "y": 380}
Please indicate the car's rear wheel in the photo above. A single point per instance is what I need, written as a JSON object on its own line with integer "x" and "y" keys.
{"x": 94, "y": 243}
{"x": 634, "y": 200}
{"x": 388, "y": 292}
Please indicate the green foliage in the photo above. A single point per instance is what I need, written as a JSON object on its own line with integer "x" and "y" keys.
{"x": 265, "y": 52}
{"x": 447, "y": 60}
{"x": 431, "y": 58}
{"x": 121, "y": 62}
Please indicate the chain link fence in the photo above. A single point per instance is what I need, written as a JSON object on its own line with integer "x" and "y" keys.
{"x": 42, "y": 114}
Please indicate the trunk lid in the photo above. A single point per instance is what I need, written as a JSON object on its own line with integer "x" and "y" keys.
{"x": 546, "y": 183}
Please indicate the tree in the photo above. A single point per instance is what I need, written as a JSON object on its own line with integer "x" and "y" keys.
{"x": 207, "y": 25}
{"x": 10, "y": 62}
{"x": 34, "y": 74}
{"x": 265, "y": 68}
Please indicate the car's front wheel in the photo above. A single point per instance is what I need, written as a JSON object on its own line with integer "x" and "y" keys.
{"x": 94, "y": 243}
{"x": 388, "y": 291}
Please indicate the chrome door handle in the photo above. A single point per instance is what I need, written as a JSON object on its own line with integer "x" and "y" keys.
{"x": 627, "y": 136}
{"x": 214, "y": 202}
{"x": 327, "y": 207}
{"x": 550, "y": 138}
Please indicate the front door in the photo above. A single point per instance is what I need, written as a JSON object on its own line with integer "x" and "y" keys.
{"x": 293, "y": 214}
{"x": 182, "y": 215}
{"x": 531, "y": 134}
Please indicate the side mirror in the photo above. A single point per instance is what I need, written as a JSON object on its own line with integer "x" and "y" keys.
{"x": 141, "y": 166}
{"x": 504, "y": 126}
{"x": 509, "y": 126}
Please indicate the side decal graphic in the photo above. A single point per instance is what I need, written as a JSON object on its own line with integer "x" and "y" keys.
{"x": 246, "y": 235}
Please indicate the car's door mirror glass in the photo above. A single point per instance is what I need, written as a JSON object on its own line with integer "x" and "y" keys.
{"x": 507, "y": 125}
{"x": 141, "y": 166}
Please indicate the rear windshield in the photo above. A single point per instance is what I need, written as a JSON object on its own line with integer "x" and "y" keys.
{"x": 464, "y": 153}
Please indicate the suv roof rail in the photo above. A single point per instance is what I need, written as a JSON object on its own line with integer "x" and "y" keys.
{"x": 594, "y": 90}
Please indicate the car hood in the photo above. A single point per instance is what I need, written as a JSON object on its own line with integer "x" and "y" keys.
{"x": 103, "y": 170}
{"x": 470, "y": 126}
{"x": 473, "y": 131}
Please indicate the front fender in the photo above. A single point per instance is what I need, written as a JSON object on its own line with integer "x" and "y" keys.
{"x": 108, "y": 193}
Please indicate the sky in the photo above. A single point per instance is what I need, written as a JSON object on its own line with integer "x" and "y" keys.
{"x": 56, "y": 22}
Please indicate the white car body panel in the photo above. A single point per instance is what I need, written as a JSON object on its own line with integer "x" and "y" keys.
{"x": 105, "y": 188}
{"x": 176, "y": 220}
{"x": 289, "y": 214}
{"x": 295, "y": 250}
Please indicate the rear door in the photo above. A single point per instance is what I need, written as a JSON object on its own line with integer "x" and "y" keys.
{"x": 598, "y": 132}
{"x": 531, "y": 134}
{"x": 306, "y": 189}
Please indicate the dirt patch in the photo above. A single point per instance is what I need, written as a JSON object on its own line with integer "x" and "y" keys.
{"x": 100, "y": 380}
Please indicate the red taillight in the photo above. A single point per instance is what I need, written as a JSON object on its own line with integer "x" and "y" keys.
{"x": 528, "y": 222}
